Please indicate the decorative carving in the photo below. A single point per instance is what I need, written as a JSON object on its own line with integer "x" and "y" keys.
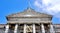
{"x": 29, "y": 28}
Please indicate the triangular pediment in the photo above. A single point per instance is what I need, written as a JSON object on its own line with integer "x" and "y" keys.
{"x": 29, "y": 13}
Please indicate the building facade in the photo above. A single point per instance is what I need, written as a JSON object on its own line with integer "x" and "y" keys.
{"x": 29, "y": 21}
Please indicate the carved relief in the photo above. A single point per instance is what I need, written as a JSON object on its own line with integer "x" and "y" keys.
{"x": 29, "y": 28}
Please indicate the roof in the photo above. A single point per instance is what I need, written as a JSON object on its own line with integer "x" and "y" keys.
{"x": 29, "y": 13}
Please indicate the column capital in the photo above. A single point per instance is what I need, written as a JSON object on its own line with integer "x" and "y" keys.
{"x": 16, "y": 27}
{"x": 52, "y": 29}
{"x": 24, "y": 28}
{"x": 7, "y": 29}
{"x": 42, "y": 27}
{"x": 34, "y": 30}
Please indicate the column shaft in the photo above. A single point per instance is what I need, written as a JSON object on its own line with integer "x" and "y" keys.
{"x": 16, "y": 27}
{"x": 7, "y": 29}
{"x": 34, "y": 31}
{"x": 24, "y": 28}
{"x": 51, "y": 29}
{"x": 42, "y": 27}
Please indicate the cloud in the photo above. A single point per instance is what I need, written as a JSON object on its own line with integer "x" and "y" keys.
{"x": 48, "y": 6}
{"x": 57, "y": 15}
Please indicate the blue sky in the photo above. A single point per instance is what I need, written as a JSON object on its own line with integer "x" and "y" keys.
{"x": 13, "y": 6}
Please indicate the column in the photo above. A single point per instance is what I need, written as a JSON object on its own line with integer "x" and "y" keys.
{"x": 34, "y": 31}
{"x": 16, "y": 27}
{"x": 24, "y": 28}
{"x": 51, "y": 29}
{"x": 42, "y": 27}
{"x": 7, "y": 29}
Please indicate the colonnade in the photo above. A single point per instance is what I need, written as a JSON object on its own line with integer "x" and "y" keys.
{"x": 34, "y": 29}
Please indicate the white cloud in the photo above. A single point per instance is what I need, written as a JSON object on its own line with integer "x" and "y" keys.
{"x": 48, "y": 6}
{"x": 57, "y": 15}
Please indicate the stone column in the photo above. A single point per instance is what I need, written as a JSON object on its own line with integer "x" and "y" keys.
{"x": 42, "y": 27}
{"x": 51, "y": 29}
{"x": 7, "y": 29}
{"x": 16, "y": 27}
{"x": 34, "y": 31}
{"x": 24, "y": 28}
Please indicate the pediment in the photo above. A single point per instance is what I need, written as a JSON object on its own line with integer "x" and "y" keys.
{"x": 29, "y": 13}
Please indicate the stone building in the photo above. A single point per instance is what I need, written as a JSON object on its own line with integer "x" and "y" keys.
{"x": 29, "y": 21}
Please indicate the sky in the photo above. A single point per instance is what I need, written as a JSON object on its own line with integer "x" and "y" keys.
{"x": 51, "y": 7}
